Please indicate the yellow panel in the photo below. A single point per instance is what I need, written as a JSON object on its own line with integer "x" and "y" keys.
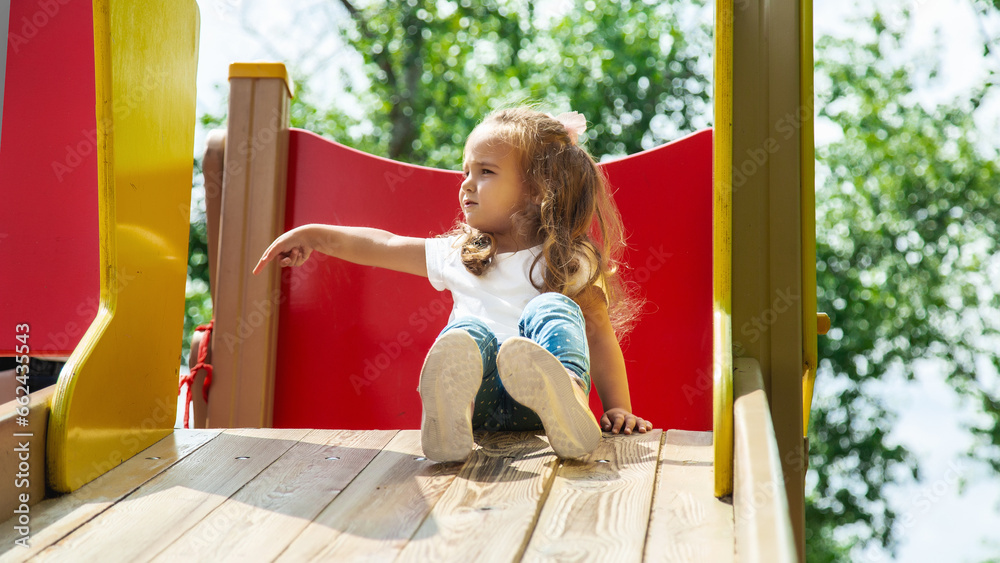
{"x": 722, "y": 244}
{"x": 262, "y": 70}
{"x": 117, "y": 393}
{"x": 808, "y": 203}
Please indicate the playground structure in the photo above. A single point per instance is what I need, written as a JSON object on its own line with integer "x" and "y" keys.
{"x": 742, "y": 246}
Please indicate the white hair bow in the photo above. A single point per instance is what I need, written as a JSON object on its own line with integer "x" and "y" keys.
{"x": 574, "y": 122}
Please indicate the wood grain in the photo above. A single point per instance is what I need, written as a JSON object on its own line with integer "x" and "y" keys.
{"x": 374, "y": 517}
{"x": 512, "y": 500}
{"x": 599, "y": 510}
{"x": 687, "y": 522}
{"x": 488, "y": 512}
{"x": 152, "y": 517}
{"x": 56, "y": 517}
{"x": 262, "y": 518}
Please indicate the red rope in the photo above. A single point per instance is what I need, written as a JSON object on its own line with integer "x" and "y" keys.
{"x": 201, "y": 365}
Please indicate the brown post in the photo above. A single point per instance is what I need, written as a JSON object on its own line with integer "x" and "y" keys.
{"x": 20, "y": 445}
{"x": 211, "y": 167}
{"x": 253, "y": 215}
{"x": 767, "y": 290}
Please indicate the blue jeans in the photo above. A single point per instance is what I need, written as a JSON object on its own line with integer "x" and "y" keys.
{"x": 552, "y": 320}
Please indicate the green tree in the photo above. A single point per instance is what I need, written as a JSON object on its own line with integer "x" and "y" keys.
{"x": 436, "y": 68}
{"x": 906, "y": 226}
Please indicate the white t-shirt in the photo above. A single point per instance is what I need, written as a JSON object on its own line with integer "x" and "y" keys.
{"x": 497, "y": 297}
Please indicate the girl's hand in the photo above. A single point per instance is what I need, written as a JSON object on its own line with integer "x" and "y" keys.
{"x": 290, "y": 249}
{"x": 620, "y": 420}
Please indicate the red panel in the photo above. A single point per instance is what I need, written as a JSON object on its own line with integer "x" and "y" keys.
{"x": 665, "y": 198}
{"x": 352, "y": 339}
{"x": 48, "y": 170}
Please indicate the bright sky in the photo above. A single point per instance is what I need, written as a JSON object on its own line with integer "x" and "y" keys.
{"x": 939, "y": 524}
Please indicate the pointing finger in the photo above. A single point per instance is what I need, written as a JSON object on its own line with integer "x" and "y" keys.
{"x": 262, "y": 262}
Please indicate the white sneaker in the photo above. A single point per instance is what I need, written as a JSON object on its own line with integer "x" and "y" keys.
{"x": 449, "y": 381}
{"x": 537, "y": 380}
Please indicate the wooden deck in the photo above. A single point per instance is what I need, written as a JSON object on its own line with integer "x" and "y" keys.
{"x": 294, "y": 495}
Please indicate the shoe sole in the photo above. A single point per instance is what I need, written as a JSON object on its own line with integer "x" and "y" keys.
{"x": 537, "y": 380}
{"x": 449, "y": 380}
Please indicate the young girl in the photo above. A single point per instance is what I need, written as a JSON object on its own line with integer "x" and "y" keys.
{"x": 532, "y": 270}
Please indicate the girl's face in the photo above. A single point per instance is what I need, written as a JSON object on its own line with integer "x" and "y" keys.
{"x": 493, "y": 189}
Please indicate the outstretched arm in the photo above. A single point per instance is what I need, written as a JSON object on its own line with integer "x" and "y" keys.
{"x": 607, "y": 366}
{"x": 360, "y": 245}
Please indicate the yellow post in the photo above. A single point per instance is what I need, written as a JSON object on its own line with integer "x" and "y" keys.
{"x": 722, "y": 245}
{"x": 117, "y": 393}
{"x": 808, "y": 203}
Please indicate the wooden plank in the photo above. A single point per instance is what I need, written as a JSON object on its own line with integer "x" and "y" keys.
{"x": 374, "y": 517}
{"x": 687, "y": 522}
{"x": 488, "y": 512}
{"x": 18, "y": 442}
{"x": 262, "y": 518}
{"x": 159, "y": 512}
{"x": 763, "y": 528}
{"x": 598, "y": 507}
{"x": 54, "y": 518}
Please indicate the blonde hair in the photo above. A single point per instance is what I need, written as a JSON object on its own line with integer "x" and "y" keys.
{"x": 569, "y": 212}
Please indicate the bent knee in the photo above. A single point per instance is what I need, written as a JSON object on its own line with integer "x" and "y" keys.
{"x": 551, "y": 306}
